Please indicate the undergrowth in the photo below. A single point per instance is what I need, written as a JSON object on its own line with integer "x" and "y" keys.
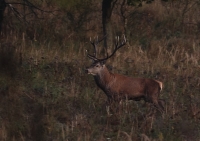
{"x": 46, "y": 95}
{"x": 50, "y": 96}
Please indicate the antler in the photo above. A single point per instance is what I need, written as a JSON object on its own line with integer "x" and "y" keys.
{"x": 117, "y": 46}
{"x": 94, "y": 44}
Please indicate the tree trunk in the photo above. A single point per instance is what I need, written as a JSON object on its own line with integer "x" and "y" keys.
{"x": 107, "y": 8}
{"x": 2, "y": 9}
{"x": 124, "y": 18}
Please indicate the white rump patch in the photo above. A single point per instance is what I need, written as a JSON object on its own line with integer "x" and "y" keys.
{"x": 160, "y": 84}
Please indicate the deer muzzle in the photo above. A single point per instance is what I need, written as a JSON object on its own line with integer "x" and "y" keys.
{"x": 89, "y": 71}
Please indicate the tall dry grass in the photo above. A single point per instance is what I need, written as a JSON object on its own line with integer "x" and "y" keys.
{"x": 45, "y": 94}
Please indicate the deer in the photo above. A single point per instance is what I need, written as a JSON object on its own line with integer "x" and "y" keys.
{"x": 119, "y": 87}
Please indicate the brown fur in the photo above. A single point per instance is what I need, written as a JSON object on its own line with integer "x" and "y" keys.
{"x": 118, "y": 87}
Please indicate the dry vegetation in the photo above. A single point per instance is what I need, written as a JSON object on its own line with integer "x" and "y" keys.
{"x": 46, "y": 96}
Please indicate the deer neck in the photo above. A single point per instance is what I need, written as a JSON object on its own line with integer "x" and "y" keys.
{"x": 104, "y": 78}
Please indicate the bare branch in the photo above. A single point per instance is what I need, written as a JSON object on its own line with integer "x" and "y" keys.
{"x": 33, "y": 9}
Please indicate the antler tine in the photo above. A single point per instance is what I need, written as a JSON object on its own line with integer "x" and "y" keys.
{"x": 92, "y": 57}
{"x": 94, "y": 43}
{"x": 117, "y": 46}
{"x": 117, "y": 41}
{"x": 122, "y": 43}
{"x": 97, "y": 41}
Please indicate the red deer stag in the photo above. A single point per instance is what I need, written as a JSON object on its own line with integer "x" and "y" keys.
{"x": 118, "y": 87}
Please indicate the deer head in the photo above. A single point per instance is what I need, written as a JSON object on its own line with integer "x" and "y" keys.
{"x": 98, "y": 65}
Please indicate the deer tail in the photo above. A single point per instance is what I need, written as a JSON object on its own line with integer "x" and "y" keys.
{"x": 160, "y": 84}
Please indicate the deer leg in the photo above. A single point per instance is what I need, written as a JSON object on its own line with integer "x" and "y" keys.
{"x": 161, "y": 102}
{"x": 108, "y": 103}
{"x": 158, "y": 105}
{"x": 111, "y": 106}
{"x": 152, "y": 110}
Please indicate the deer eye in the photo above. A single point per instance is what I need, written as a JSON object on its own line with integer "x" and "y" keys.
{"x": 97, "y": 65}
